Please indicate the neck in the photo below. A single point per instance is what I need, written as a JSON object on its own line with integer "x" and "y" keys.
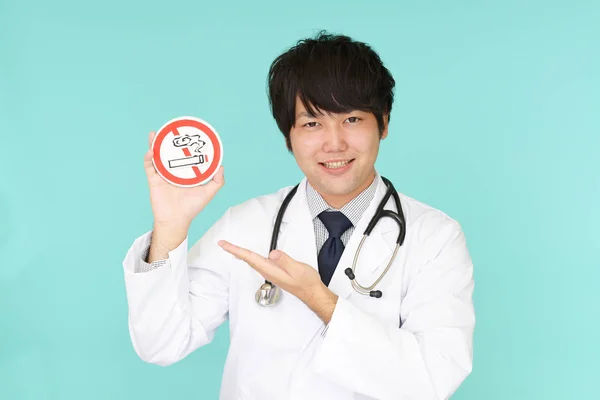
{"x": 340, "y": 201}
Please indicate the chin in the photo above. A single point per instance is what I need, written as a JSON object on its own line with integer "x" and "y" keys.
{"x": 337, "y": 186}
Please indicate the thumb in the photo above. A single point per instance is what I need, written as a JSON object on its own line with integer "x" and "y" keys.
{"x": 151, "y": 139}
{"x": 281, "y": 259}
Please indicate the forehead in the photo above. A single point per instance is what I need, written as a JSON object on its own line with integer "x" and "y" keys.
{"x": 300, "y": 106}
{"x": 302, "y": 111}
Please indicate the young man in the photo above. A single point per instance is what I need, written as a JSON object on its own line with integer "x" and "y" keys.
{"x": 331, "y": 97}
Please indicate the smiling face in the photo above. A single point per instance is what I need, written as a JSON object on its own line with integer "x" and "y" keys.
{"x": 331, "y": 97}
{"x": 336, "y": 152}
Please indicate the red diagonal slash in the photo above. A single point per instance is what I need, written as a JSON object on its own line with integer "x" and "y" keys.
{"x": 187, "y": 153}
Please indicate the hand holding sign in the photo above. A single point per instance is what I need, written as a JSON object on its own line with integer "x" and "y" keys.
{"x": 183, "y": 167}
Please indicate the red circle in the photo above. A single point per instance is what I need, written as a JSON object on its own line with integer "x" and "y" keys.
{"x": 171, "y": 127}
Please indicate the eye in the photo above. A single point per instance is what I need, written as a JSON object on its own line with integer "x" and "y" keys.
{"x": 311, "y": 124}
{"x": 353, "y": 119}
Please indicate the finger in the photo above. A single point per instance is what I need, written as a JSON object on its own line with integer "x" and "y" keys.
{"x": 148, "y": 165}
{"x": 151, "y": 138}
{"x": 219, "y": 177}
{"x": 242, "y": 254}
{"x": 262, "y": 265}
{"x": 148, "y": 158}
{"x": 218, "y": 180}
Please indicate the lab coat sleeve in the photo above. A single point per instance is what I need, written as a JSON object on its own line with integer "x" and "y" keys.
{"x": 176, "y": 308}
{"x": 143, "y": 266}
{"x": 430, "y": 355}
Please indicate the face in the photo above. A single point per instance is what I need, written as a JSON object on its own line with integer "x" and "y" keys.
{"x": 336, "y": 152}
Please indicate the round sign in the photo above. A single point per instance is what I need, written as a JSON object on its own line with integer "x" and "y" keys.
{"x": 187, "y": 151}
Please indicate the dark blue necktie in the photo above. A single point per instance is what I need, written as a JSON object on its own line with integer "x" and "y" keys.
{"x": 331, "y": 252}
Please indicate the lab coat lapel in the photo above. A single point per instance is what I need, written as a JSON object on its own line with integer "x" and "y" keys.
{"x": 297, "y": 240}
{"x": 375, "y": 252}
{"x": 297, "y": 234}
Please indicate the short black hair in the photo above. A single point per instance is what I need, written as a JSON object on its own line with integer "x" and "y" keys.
{"x": 333, "y": 73}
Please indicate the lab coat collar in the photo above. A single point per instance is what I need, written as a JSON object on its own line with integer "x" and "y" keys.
{"x": 375, "y": 252}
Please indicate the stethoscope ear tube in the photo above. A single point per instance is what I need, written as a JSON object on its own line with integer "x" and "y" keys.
{"x": 373, "y": 293}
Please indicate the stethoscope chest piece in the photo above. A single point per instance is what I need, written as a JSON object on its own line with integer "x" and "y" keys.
{"x": 268, "y": 295}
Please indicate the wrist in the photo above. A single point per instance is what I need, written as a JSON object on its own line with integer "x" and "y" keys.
{"x": 174, "y": 226}
{"x": 322, "y": 301}
{"x": 166, "y": 238}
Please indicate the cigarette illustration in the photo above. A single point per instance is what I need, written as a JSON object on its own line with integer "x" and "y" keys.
{"x": 186, "y": 161}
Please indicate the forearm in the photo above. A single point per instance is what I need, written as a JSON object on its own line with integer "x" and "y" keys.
{"x": 166, "y": 238}
{"x": 158, "y": 308}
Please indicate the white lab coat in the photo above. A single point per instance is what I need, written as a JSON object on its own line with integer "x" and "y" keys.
{"x": 413, "y": 343}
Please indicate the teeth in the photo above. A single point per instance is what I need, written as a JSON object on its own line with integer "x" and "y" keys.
{"x": 338, "y": 164}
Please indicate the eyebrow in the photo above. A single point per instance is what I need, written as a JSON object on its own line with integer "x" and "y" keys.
{"x": 304, "y": 114}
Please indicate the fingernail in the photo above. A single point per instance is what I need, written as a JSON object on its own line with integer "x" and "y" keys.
{"x": 274, "y": 255}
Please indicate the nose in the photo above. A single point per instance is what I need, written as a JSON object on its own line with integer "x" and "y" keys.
{"x": 334, "y": 140}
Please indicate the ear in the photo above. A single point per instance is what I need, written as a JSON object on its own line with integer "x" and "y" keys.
{"x": 385, "y": 126}
{"x": 288, "y": 141}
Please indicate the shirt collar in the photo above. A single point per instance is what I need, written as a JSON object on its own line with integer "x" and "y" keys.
{"x": 353, "y": 210}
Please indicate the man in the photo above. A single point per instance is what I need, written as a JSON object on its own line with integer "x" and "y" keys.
{"x": 331, "y": 98}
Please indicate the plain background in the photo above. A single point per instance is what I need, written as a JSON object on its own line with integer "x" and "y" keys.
{"x": 496, "y": 122}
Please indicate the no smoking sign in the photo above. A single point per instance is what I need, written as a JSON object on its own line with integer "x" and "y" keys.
{"x": 187, "y": 151}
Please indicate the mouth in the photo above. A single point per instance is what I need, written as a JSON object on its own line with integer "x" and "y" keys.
{"x": 337, "y": 166}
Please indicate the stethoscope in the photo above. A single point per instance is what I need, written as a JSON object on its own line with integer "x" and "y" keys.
{"x": 269, "y": 294}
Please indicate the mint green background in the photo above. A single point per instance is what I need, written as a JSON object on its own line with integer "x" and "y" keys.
{"x": 496, "y": 122}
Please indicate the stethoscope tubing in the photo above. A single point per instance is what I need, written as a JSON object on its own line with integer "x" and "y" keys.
{"x": 269, "y": 294}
